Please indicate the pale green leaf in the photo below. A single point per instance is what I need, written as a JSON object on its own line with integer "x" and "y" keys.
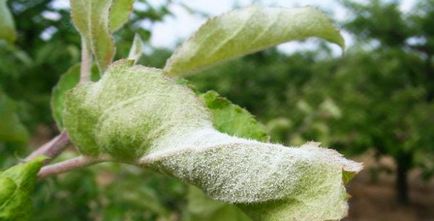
{"x": 119, "y": 12}
{"x": 16, "y": 186}
{"x": 232, "y": 119}
{"x": 91, "y": 18}
{"x": 11, "y": 128}
{"x": 248, "y": 30}
{"x": 136, "y": 50}
{"x": 66, "y": 82}
{"x": 7, "y": 26}
{"x": 138, "y": 115}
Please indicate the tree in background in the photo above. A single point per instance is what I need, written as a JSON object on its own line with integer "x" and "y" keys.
{"x": 392, "y": 83}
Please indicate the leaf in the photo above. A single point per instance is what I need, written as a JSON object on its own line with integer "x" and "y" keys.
{"x": 119, "y": 12}
{"x": 17, "y": 184}
{"x": 91, "y": 18}
{"x": 232, "y": 119}
{"x": 8, "y": 187}
{"x": 245, "y": 31}
{"x": 138, "y": 115}
{"x": 66, "y": 82}
{"x": 200, "y": 207}
{"x": 136, "y": 50}
{"x": 11, "y": 128}
{"x": 7, "y": 26}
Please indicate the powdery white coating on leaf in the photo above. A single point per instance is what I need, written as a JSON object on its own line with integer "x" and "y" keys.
{"x": 129, "y": 111}
{"x": 248, "y": 30}
{"x": 136, "y": 114}
{"x": 245, "y": 171}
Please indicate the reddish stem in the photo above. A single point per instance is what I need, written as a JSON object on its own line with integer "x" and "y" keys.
{"x": 51, "y": 149}
{"x": 67, "y": 165}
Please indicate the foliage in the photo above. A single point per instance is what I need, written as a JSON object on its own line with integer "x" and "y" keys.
{"x": 378, "y": 96}
{"x": 242, "y": 32}
{"x": 233, "y": 119}
{"x": 138, "y": 115}
{"x": 17, "y": 185}
{"x": 7, "y": 25}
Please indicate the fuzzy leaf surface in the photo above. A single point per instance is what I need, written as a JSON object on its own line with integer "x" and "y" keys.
{"x": 119, "y": 12}
{"x": 91, "y": 18}
{"x": 248, "y": 30}
{"x": 66, "y": 82}
{"x": 17, "y": 184}
{"x": 137, "y": 114}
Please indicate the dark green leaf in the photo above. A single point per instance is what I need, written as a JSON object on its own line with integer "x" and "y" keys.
{"x": 11, "y": 129}
{"x": 232, "y": 119}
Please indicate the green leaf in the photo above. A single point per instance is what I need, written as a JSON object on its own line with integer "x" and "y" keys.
{"x": 11, "y": 129}
{"x": 17, "y": 184}
{"x": 91, "y": 18}
{"x": 7, "y": 26}
{"x": 8, "y": 187}
{"x": 66, "y": 82}
{"x": 138, "y": 115}
{"x": 119, "y": 12}
{"x": 248, "y": 30}
{"x": 200, "y": 207}
{"x": 136, "y": 50}
{"x": 232, "y": 119}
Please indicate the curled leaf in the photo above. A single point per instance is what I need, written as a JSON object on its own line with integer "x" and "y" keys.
{"x": 137, "y": 114}
{"x": 248, "y": 30}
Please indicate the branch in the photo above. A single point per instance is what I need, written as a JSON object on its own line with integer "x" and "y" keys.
{"x": 85, "y": 62}
{"x": 67, "y": 165}
{"x": 51, "y": 149}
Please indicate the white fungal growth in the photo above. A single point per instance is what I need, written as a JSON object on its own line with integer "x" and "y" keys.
{"x": 136, "y": 114}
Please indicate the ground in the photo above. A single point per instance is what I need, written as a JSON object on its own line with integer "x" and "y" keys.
{"x": 373, "y": 199}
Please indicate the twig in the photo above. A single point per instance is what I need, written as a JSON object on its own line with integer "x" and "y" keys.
{"x": 68, "y": 165}
{"x": 85, "y": 62}
{"x": 51, "y": 149}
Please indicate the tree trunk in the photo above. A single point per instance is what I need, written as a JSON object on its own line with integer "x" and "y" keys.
{"x": 403, "y": 162}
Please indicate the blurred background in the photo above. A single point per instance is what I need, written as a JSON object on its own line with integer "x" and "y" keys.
{"x": 374, "y": 103}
